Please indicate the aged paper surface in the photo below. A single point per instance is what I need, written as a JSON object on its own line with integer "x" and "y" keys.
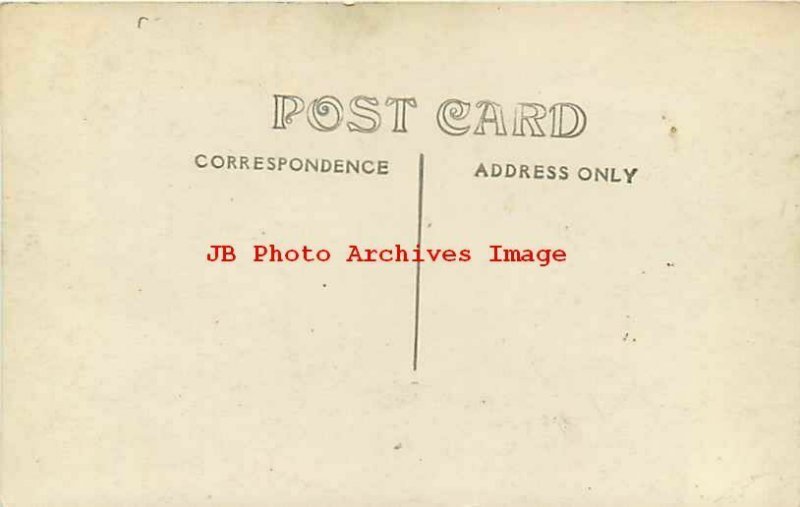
{"x": 640, "y": 162}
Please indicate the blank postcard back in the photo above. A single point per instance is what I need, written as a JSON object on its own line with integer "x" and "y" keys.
{"x": 403, "y": 255}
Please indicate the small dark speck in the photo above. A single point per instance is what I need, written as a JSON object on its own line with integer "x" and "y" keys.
{"x": 312, "y": 329}
{"x": 625, "y": 338}
{"x": 139, "y": 289}
{"x": 398, "y": 446}
{"x": 231, "y": 199}
{"x": 483, "y": 402}
{"x": 429, "y": 224}
{"x": 673, "y": 130}
{"x": 324, "y": 285}
{"x": 670, "y": 264}
{"x": 216, "y": 322}
{"x": 644, "y": 272}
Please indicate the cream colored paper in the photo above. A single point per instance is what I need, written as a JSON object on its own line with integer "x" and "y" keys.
{"x": 658, "y": 365}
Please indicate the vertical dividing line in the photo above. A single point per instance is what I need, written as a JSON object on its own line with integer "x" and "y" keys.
{"x": 419, "y": 244}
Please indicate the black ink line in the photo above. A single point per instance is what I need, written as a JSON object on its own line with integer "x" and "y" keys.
{"x": 419, "y": 244}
